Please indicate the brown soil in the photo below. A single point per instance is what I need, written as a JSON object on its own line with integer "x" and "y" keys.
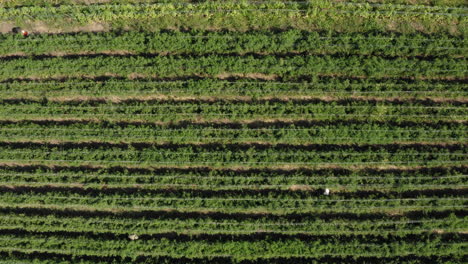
{"x": 6, "y": 27}
{"x": 39, "y": 27}
{"x": 297, "y": 187}
{"x": 93, "y": 27}
{"x": 255, "y": 76}
{"x": 247, "y": 99}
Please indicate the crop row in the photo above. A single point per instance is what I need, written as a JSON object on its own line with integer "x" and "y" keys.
{"x": 51, "y": 3}
{"x": 155, "y": 10}
{"x": 276, "y": 218}
{"x": 21, "y": 256}
{"x": 246, "y": 87}
{"x": 229, "y": 206}
{"x": 249, "y": 235}
{"x": 249, "y": 156}
{"x": 331, "y": 171}
{"x": 246, "y": 173}
{"x": 171, "y": 110}
{"x": 289, "y": 68}
{"x": 239, "y": 249}
{"x": 39, "y": 256}
{"x": 193, "y": 117}
{"x": 198, "y": 43}
{"x": 40, "y": 124}
{"x": 318, "y": 15}
{"x": 219, "y": 199}
{"x": 274, "y": 103}
{"x": 294, "y": 181}
{"x": 153, "y": 226}
{"x": 219, "y": 154}
{"x": 330, "y": 133}
{"x": 343, "y": 183}
{"x": 236, "y": 183}
{"x": 157, "y": 110}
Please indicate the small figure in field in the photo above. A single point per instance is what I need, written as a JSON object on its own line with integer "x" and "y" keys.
{"x": 133, "y": 237}
{"x": 326, "y": 192}
{"x": 18, "y": 30}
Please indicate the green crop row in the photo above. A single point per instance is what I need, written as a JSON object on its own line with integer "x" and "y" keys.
{"x": 359, "y": 180}
{"x": 170, "y": 110}
{"x": 306, "y": 181}
{"x": 110, "y": 12}
{"x": 238, "y": 249}
{"x": 247, "y": 87}
{"x": 21, "y": 256}
{"x": 50, "y": 3}
{"x": 191, "y": 104}
{"x": 229, "y": 154}
{"x": 293, "y": 197}
{"x": 194, "y": 117}
{"x": 409, "y": 3}
{"x": 245, "y": 204}
{"x": 311, "y": 198}
{"x": 264, "y": 173}
{"x": 235, "y": 183}
{"x": 234, "y": 110}
{"x": 289, "y": 68}
{"x": 313, "y": 15}
{"x": 210, "y": 226}
{"x": 197, "y": 43}
{"x": 448, "y": 183}
{"x": 53, "y": 3}
{"x": 330, "y": 133}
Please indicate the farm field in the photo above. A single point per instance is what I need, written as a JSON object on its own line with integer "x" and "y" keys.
{"x": 146, "y": 131}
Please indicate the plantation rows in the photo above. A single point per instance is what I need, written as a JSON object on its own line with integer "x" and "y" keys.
{"x": 423, "y": 4}
{"x": 242, "y": 16}
{"x": 409, "y": 3}
{"x": 239, "y": 249}
{"x": 151, "y": 228}
{"x": 143, "y": 131}
{"x": 214, "y": 179}
{"x": 233, "y": 154}
{"x": 289, "y": 68}
{"x": 319, "y": 133}
{"x": 174, "y": 111}
{"x": 188, "y": 202}
{"x": 198, "y": 43}
{"x": 264, "y": 249}
{"x": 244, "y": 86}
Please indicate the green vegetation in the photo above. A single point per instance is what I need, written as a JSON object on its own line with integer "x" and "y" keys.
{"x": 144, "y": 131}
{"x": 243, "y": 16}
{"x": 199, "y": 43}
{"x": 290, "y": 68}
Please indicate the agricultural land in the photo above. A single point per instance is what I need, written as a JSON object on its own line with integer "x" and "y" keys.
{"x": 193, "y": 131}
